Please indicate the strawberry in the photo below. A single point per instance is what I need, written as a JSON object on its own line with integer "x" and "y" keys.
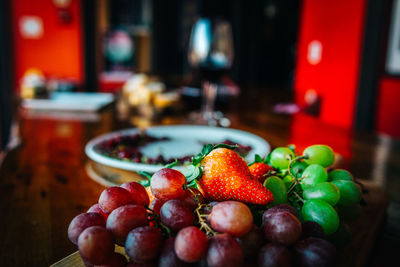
{"x": 259, "y": 170}
{"x": 225, "y": 176}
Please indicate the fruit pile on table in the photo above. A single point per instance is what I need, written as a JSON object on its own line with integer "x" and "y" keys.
{"x": 282, "y": 210}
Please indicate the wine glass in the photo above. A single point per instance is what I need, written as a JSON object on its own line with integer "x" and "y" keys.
{"x": 211, "y": 52}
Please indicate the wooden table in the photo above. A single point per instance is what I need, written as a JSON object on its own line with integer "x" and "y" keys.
{"x": 43, "y": 184}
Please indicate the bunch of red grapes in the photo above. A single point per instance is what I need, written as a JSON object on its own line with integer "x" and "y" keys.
{"x": 179, "y": 228}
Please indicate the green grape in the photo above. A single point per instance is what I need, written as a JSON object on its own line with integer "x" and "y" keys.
{"x": 322, "y": 213}
{"x": 324, "y": 191}
{"x": 277, "y": 188}
{"x": 340, "y": 174}
{"x": 341, "y": 237}
{"x": 349, "y": 213}
{"x": 319, "y": 154}
{"x": 280, "y": 157}
{"x": 313, "y": 175}
{"x": 350, "y": 193}
{"x": 297, "y": 168}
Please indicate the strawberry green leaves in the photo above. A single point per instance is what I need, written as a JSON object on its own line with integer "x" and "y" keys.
{"x": 145, "y": 182}
{"x": 207, "y": 149}
{"x": 258, "y": 158}
{"x": 172, "y": 164}
{"x": 192, "y": 173}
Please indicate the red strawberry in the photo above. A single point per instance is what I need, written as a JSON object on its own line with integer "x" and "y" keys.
{"x": 227, "y": 177}
{"x": 259, "y": 170}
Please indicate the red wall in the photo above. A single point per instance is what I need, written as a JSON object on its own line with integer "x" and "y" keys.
{"x": 59, "y": 51}
{"x": 388, "y": 115}
{"x": 338, "y": 26}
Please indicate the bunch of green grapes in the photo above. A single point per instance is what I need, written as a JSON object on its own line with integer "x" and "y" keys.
{"x": 328, "y": 198}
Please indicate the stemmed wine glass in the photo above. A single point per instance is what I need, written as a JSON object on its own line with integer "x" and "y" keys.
{"x": 211, "y": 52}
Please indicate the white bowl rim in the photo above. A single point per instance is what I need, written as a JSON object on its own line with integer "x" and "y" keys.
{"x": 263, "y": 147}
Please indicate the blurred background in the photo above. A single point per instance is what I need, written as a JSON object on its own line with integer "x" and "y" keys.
{"x": 336, "y": 60}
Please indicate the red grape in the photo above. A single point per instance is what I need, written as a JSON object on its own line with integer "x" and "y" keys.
{"x": 124, "y": 219}
{"x": 190, "y": 197}
{"x": 282, "y": 227}
{"x": 143, "y": 244}
{"x": 279, "y": 208}
{"x": 176, "y": 215}
{"x": 190, "y": 244}
{"x": 201, "y": 263}
{"x": 168, "y": 184}
{"x": 83, "y": 221}
{"x": 156, "y": 205}
{"x": 231, "y": 217}
{"x": 96, "y": 245}
{"x": 168, "y": 256}
{"x": 212, "y": 204}
{"x": 85, "y": 262}
{"x": 141, "y": 264}
{"x": 114, "y": 197}
{"x": 274, "y": 255}
{"x": 252, "y": 242}
{"x": 310, "y": 228}
{"x": 224, "y": 250}
{"x": 96, "y": 208}
{"x": 138, "y": 193}
{"x": 314, "y": 252}
{"x": 116, "y": 260}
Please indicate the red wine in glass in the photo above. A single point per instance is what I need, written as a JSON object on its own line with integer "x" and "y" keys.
{"x": 212, "y": 74}
{"x": 211, "y": 52}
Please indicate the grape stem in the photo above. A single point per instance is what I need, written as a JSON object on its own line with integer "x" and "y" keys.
{"x": 153, "y": 214}
{"x": 270, "y": 173}
{"x": 196, "y": 196}
{"x": 152, "y": 211}
{"x": 203, "y": 224}
{"x": 298, "y": 197}
{"x": 291, "y": 162}
{"x": 295, "y": 179}
{"x": 156, "y": 218}
{"x": 163, "y": 226}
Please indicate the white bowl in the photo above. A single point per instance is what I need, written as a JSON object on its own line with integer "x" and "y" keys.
{"x": 183, "y": 140}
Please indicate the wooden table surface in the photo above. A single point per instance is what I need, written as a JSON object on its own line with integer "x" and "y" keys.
{"x": 43, "y": 183}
